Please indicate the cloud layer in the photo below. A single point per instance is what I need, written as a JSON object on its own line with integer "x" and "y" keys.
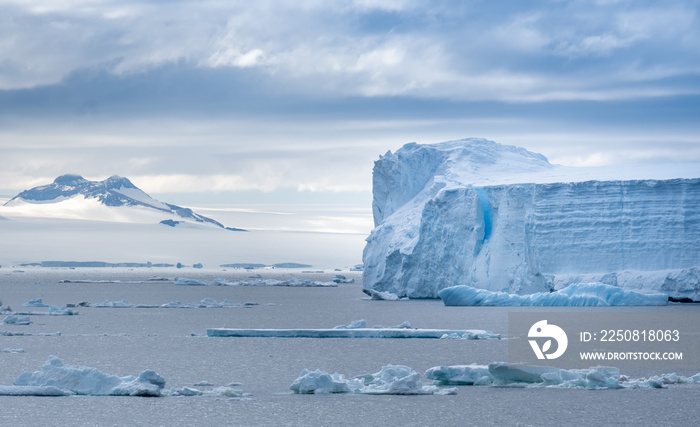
{"x": 303, "y": 95}
{"x": 533, "y": 51}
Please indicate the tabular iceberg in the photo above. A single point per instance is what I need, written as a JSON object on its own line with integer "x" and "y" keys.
{"x": 477, "y": 213}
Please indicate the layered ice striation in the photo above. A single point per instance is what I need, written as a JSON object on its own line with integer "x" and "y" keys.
{"x": 577, "y": 295}
{"x": 477, "y": 213}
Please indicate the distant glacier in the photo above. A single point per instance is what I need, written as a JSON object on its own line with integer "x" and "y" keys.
{"x": 473, "y": 212}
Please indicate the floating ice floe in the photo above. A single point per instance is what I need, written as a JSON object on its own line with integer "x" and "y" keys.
{"x": 399, "y": 332}
{"x": 521, "y": 375}
{"x": 115, "y": 304}
{"x": 392, "y": 379}
{"x": 28, "y": 334}
{"x": 16, "y": 320}
{"x": 579, "y": 295}
{"x": 339, "y": 278}
{"x": 181, "y": 281}
{"x": 383, "y": 296}
{"x": 292, "y": 282}
{"x": 227, "y": 392}
{"x": 204, "y": 303}
{"x": 54, "y": 375}
{"x": 36, "y": 302}
{"x": 58, "y": 379}
{"x": 61, "y": 311}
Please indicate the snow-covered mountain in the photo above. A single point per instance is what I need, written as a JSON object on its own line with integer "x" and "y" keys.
{"x": 115, "y": 199}
{"x": 474, "y": 212}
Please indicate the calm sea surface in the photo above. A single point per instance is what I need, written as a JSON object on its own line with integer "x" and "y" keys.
{"x": 128, "y": 340}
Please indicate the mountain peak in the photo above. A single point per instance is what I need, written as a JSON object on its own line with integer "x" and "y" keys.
{"x": 69, "y": 180}
{"x": 115, "y": 191}
{"x": 116, "y": 181}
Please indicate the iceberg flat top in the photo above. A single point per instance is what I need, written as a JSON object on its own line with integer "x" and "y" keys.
{"x": 482, "y": 162}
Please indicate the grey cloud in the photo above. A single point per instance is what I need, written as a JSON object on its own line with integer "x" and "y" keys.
{"x": 450, "y": 50}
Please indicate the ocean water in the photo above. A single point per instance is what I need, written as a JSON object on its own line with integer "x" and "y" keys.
{"x": 124, "y": 341}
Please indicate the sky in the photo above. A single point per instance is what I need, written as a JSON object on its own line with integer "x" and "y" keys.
{"x": 292, "y": 101}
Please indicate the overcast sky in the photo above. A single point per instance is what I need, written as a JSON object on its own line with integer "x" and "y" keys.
{"x": 294, "y": 100}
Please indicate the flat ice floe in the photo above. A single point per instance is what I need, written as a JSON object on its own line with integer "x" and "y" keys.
{"x": 399, "y": 332}
{"x": 577, "y": 295}
{"x": 29, "y": 334}
{"x": 184, "y": 281}
{"x": 392, "y": 379}
{"x": 521, "y": 375}
{"x": 292, "y": 282}
{"x": 204, "y": 303}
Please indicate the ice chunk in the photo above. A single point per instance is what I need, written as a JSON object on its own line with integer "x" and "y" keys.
{"x": 339, "y": 278}
{"x": 90, "y": 381}
{"x": 474, "y": 212}
{"x": 212, "y": 303}
{"x": 319, "y": 382}
{"x": 522, "y": 375}
{"x": 181, "y": 281}
{"x": 392, "y": 379}
{"x": 403, "y": 325}
{"x": 383, "y": 296}
{"x": 355, "y": 324}
{"x": 589, "y": 294}
{"x": 36, "y": 302}
{"x": 61, "y": 311}
{"x": 177, "y": 304}
{"x": 398, "y": 379}
{"x": 184, "y": 391}
{"x": 16, "y": 320}
{"x": 115, "y": 304}
{"x": 460, "y": 375}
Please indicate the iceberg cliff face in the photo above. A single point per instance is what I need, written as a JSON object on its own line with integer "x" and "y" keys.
{"x": 504, "y": 219}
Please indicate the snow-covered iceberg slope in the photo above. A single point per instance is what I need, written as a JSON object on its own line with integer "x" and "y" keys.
{"x": 578, "y": 295}
{"x": 477, "y": 213}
